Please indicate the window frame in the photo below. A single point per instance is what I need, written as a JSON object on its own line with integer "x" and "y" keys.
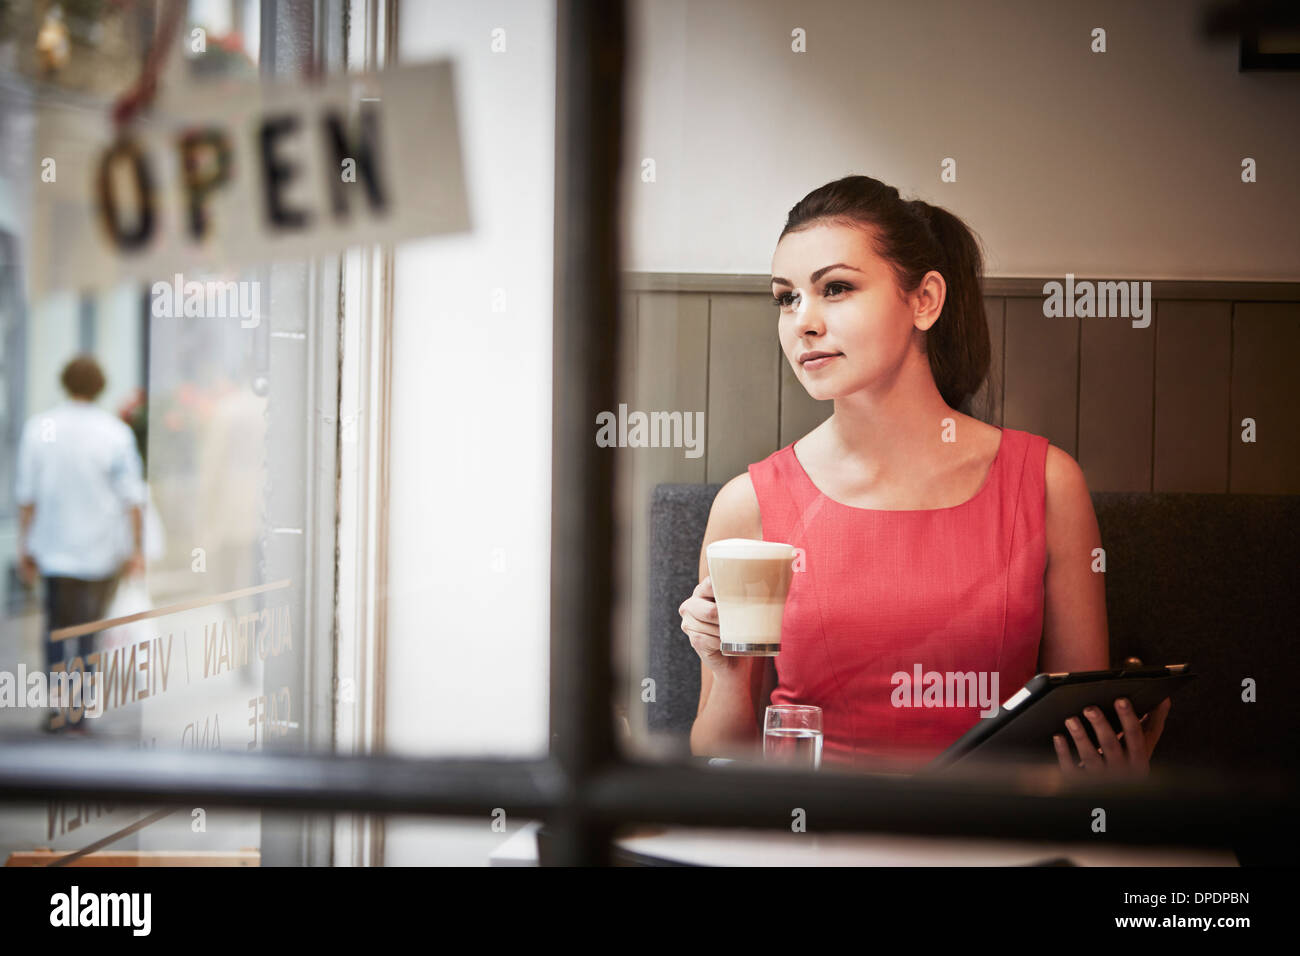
{"x": 586, "y": 788}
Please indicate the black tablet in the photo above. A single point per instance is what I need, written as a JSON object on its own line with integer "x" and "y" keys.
{"x": 1023, "y": 726}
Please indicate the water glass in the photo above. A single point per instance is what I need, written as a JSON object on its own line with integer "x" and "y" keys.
{"x": 792, "y": 735}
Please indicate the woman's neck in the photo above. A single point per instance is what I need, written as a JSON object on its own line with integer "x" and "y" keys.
{"x": 894, "y": 427}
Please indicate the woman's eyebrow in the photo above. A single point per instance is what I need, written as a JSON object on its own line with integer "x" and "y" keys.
{"x": 777, "y": 280}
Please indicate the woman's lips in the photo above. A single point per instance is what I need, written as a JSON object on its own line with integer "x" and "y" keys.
{"x": 819, "y": 362}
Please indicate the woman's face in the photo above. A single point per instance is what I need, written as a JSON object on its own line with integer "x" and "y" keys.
{"x": 837, "y": 295}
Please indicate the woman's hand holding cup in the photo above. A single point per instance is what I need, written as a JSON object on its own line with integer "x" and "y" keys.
{"x": 700, "y": 622}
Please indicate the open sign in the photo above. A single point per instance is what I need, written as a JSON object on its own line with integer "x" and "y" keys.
{"x": 227, "y": 176}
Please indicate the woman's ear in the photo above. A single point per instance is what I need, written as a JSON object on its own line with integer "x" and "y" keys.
{"x": 928, "y": 301}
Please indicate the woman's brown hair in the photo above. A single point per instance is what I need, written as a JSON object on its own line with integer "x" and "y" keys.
{"x": 915, "y": 237}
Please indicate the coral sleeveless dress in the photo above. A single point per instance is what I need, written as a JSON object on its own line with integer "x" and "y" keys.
{"x": 947, "y": 597}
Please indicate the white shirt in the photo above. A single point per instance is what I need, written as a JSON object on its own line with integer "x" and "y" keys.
{"x": 79, "y": 466}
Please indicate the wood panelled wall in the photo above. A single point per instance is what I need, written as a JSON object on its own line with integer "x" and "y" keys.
{"x": 1153, "y": 409}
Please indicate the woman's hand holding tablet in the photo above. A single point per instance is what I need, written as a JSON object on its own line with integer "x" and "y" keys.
{"x": 1127, "y": 753}
{"x": 1105, "y": 721}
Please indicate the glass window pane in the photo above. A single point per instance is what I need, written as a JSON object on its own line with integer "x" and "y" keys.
{"x": 341, "y": 483}
{"x": 470, "y": 438}
{"x": 909, "y": 473}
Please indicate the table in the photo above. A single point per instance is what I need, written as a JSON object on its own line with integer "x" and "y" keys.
{"x": 692, "y": 846}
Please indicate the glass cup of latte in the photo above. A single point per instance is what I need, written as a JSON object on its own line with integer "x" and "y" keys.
{"x": 751, "y": 580}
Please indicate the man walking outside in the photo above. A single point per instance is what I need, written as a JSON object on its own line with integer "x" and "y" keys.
{"x": 79, "y": 478}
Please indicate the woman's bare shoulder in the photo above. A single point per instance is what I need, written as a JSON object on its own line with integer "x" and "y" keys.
{"x": 735, "y": 511}
{"x": 1066, "y": 485}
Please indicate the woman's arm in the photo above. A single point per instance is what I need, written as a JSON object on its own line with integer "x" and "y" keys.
{"x": 1074, "y": 596}
{"x": 732, "y": 697}
{"x": 1075, "y": 634}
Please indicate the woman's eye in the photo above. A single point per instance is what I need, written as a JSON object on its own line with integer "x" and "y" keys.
{"x": 785, "y": 301}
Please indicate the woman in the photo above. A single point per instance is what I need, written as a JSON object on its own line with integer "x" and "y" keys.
{"x": 929, "y": 541}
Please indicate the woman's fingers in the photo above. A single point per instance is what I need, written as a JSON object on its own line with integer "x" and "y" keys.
{"x": 1111, "y": 749}
{"x": 1063, "y": 755}
{"x": 691, "y": 626}
{"x": 700, "y": 621}
{"x": 705, "y": 643}
{"x": 699, "y": 612}
{"x": 1128, "y": 751}
{"x": 706, "y": 608}
{"x": 1087, "y": 752}
{"x": 1155, "y": 724}
{"x": 1135, "y": 745}
{"x": 691, "y": 618}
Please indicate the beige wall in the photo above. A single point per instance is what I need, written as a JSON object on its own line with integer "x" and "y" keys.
{"x": 1124, "y": 164}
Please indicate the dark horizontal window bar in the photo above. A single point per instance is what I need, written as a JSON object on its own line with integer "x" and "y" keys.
{"x": 278, "y": 781}
{"x": 1188, "y": 808}
{"x": 1202, "y": 810}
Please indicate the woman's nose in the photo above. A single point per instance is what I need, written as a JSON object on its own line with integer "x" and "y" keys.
{"x": 807, "y": 318}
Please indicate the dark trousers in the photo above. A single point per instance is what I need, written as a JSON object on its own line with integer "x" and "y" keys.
{"x": 72, "y": 601}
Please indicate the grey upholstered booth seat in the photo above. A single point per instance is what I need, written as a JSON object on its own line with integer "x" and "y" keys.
{"x": 1207, "y": 579}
